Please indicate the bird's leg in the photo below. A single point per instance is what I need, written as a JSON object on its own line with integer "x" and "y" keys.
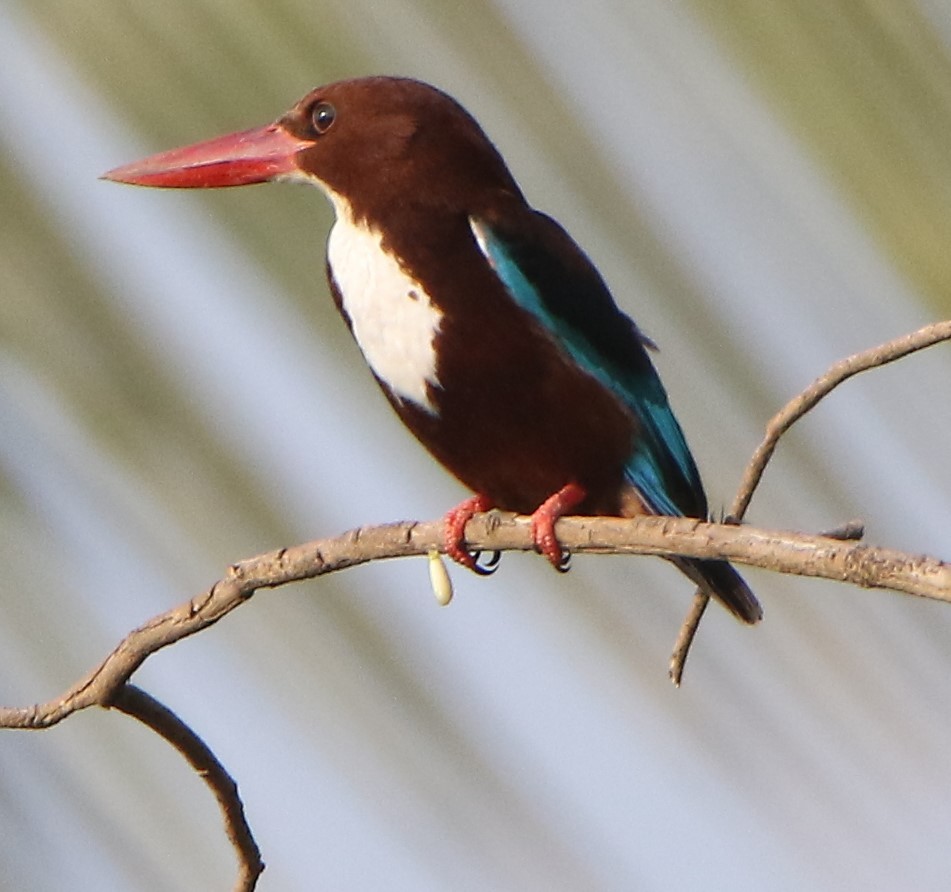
{"x": 455, "y": 535}
{"x": 543, "y": 524}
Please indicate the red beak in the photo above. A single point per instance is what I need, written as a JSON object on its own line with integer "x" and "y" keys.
{"x": 239, "y": 159}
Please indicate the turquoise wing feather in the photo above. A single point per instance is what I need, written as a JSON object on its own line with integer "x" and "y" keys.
{"x": 547, "y": 275}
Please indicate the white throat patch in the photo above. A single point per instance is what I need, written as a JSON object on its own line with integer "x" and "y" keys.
{"x": 394, "y": 321}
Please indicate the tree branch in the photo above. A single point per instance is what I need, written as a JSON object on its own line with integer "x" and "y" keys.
{"x": 783, "y": 552}
{"x": 831, "y": 556}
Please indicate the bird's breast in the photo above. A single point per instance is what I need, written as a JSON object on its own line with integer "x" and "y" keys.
{"x": 393, "y": 319}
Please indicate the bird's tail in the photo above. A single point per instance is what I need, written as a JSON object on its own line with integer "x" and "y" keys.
{"x": 719, "y": 580}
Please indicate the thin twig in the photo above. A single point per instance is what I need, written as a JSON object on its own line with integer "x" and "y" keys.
{"x": 821, "y": 388}
{"x": 137, "y": 703}
{"x": 688, "y": 629}
{"x": 778, "y": 425}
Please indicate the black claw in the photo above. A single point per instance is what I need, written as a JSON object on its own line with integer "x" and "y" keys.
{"x": 494, "y": 561}
{"x": 564, "y": 562}
{"x": 490, "y": 566}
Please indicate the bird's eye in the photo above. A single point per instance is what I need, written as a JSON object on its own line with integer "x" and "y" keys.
{"x": 322, "y": 116}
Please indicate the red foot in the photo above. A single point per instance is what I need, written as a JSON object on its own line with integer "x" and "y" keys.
{"x": 455, "y": 534}
{"x": 543, "y": 523}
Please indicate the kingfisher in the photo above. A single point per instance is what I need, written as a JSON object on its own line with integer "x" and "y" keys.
{"x": 489, "y": 330}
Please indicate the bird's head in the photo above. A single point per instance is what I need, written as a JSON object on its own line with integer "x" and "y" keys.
{"x": 373, "y": 141}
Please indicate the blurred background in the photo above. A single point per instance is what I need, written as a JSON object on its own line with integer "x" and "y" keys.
{"x": 766, "y": 186}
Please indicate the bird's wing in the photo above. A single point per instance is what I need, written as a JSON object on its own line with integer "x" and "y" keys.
{"x": 549, "y": 276}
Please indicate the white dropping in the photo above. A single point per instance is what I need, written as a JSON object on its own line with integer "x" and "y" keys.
{"x": 439, "y": 578}
{"x": 394, "y": 320}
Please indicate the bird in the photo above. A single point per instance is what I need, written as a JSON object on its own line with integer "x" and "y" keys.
{"x": 490, "y": 331}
